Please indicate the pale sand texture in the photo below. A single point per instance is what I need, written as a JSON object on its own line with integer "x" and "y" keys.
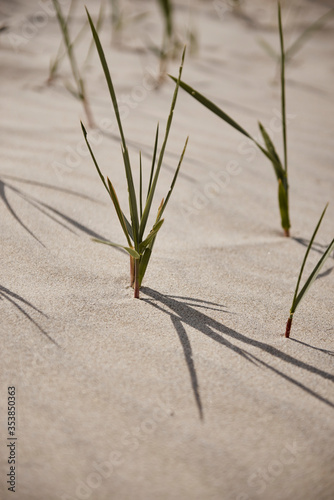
{"x": 98, "y": 372}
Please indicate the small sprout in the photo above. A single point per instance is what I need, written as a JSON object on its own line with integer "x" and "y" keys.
{"x": 280, "y": 168}
{"x": 139, "y": 247}
{"x": 299, "y": 296}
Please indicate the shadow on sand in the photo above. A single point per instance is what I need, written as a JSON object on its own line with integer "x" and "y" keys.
{"x": 183, "y": 312}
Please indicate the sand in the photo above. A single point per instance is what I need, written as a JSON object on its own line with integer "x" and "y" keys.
{"x": 191, "y": 392}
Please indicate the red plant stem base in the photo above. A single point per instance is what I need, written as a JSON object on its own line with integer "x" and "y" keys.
{"x": 288, "y": 328}
{"x": 136, "y": 295}
{"x": 287, "y": 233}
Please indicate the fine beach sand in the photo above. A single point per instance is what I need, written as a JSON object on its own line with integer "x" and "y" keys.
{"x": 192, "y": 392}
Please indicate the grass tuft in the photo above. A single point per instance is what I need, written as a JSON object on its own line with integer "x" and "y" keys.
{"x": 139, "y": 247}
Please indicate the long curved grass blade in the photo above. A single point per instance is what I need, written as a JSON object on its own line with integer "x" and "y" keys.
{"x": 283, "y": 206}
{"x": 153, "y": 160}
{"x": 161, "y": 211}
{"x": 212, "y": 107}
{"x": 283, "y": 87}
{"x": 162, "y": 152}
{"x": 127, "y": 223}
{"x": 140, "y": 185}
{"x": 125, "y": 153}
{"x": 293, "y": 307}
{"x": 151, "y": 235}
{"x": 84, "y": 131}
{"x": 119, "y": 212}
{"x": 99, "y": 24}
{"x": 130, "y": 251}
{"x": 279, "y": 171}
{"x": 219, "y": 112}
{"x": 313, "y": 275}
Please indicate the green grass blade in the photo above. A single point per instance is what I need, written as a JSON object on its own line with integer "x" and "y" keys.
{"x": 151, "y": 236}
{"x": 161, "y": 211}
{"x": 166, "y": 6}
{"x": 127, "y": 223}
{"x": 144, "y": 263}
{"x": 212, "y": 107}
{"x": 283, "y": 206}
{"x": 313, "y": 275}
{"x": 130, "y": 251}
{"x": 153, "y": 160}
{"x": 279, "y": 171}
{"x": 140, "y": 185}
{"x": 99, "y": 24}
{"x": 132, "y": 193}
{"x": 84, "y": 131}
{"x": 297, "y": 44}
{"x": 107, "y": 76}
{"x": 293, "y": 307}
{"x": 118, "y": 210}
{"x": 283, "y": 88}
{"x": 161, "y": 155}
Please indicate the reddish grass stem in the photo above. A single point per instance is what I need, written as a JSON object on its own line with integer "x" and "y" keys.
{"x": 288, "y": 327}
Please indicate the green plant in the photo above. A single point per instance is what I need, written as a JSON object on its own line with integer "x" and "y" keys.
{"x": 280, "y": 168}
{"x": 299, "y": 296}
{"x": 139, "y": 247}
{"x": 80, "y": 91}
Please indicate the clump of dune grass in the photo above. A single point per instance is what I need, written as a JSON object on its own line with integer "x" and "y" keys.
{"x": 299, "y": 296}
{"x": 268, "y": 149}
{"x": 138, "y": 246}
{"x": 79, "y": 91}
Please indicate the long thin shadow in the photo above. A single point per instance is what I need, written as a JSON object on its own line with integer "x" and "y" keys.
{"x": 18, "y": 301}
{"x": 52, "y": 187}
{"x": 46, "y": 210}
{"x": 331, "y": 353}
{"x": 182, "y": 313}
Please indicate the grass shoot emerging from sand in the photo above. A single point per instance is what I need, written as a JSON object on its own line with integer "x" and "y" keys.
{"x": 80, "y": 91}
{"x": 139, "y": 247}
{"x": 299, "y": 296}
{"x": 280, "y": 168}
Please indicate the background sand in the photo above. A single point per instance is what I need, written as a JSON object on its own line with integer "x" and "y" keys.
{"x": 192, "y": 392}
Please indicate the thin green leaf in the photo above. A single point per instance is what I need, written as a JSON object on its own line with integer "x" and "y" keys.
{"x": 151, "y": 236}
{"x": 143, "y": 263}
{"x": 313, "y": 275}
{"x": 118, "y": 210}
{"x": 279, "y": 171}
{"x": 130, "y": 251}
{"x": 161, "y": 155}
{"x": 127, "y": 223}
{"x": 69, "y": 46}
{"x": 93, "y": 158}
{"x": 212, "y": 107}
{"x": 140, "y": 185}
{"x": 283, "y": 206}
{"x": 153, "y": 160}
{"x": 174, "y": 180}
{"x": 125, "y": 153}
{"x": 293, "y": 307}
{"x": 283, "y": 88}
